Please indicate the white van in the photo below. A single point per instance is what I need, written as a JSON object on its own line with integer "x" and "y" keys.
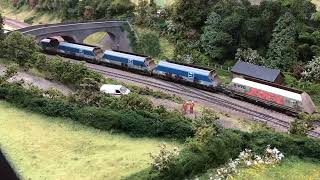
{"x": 115, "y": 90}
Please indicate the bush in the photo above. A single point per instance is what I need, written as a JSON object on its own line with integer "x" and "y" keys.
{"x": 199, "y": 156}
{"x": 290, "y": 145}
{"x": 137, "y": 123}
{"x": 29, "y": 20}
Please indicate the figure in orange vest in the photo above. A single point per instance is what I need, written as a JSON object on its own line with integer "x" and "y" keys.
{"x": 185, "y": 107}
{"x": 191, "y": 107}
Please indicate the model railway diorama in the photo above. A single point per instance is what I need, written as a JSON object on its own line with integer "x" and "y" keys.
{"x": 271, "y": 95}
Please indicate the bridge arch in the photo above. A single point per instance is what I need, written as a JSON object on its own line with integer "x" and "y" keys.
{"x": 68, "y": 39}
{"x": 106, "y": 40}
{"x": 77, "y": 32}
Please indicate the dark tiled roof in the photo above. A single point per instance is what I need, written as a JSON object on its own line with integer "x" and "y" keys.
{"x": 255, "y": 71}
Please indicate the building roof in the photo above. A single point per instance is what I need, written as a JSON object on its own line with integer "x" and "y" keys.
{"x": 255, "y": 71}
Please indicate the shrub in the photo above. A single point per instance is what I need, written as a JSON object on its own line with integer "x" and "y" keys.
{"x": 163, "y": 161}
{"x": 137, "y": 123}
{"x": 199, "y": 156}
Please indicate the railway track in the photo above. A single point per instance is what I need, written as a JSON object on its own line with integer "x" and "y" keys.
{"x": 207, "y": 98}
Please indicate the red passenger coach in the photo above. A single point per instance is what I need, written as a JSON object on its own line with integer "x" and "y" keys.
{"x": 264, "y": 95}
{"x": 270, "y": 94}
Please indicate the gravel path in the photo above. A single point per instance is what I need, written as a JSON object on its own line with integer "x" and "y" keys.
{"x": 37, "y": 81}
{"x": 191, "y": 90}
{"x": 14, "y": 24}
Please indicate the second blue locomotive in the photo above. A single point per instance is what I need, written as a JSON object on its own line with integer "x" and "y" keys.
{"x": 168, "y": 70}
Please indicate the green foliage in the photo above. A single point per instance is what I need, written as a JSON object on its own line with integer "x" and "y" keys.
{"x": 1, "y": 29}
{"x": 146, "y": 13}
{"x": 191, "y": 14}
{"x": 29, "y": 20}
{"x": 303, "y": 124}
{"x": 67, "y": 72}
{"x": 121, "y": 8}
{"x": 249, "y": 55}
{"x": 281, "y": 53}
{"x": 311, "y": 88}
{"x": 312, "y": 70}
{"x": 10, "y": 72}
{"x": 136, "y": 123}
{"x": 134, "y": 102}
{"x": 199, "y": 156}
{"x": 302, "y": 10}
{"x": 20, "y": 49}
{"x": 163, "y": 161}
{"x": 215, "y": 40}
{"x": 150, "y": 44}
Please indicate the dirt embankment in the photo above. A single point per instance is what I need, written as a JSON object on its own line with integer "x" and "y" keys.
{"x": 37, "y": 81}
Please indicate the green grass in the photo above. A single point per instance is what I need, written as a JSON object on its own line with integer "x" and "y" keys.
{"x": 95, "y": 38}
{"x": 290, "y": 169}
{"x": 42, "y": 147}
{"x": 167, "y": 48}
{"x": 161, "y": 3}
{"x": 26, "y": 12}
{"x": 317, "y": 3}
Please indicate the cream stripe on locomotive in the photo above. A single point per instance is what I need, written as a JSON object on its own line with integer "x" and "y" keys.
{"x": 267, "y": 88}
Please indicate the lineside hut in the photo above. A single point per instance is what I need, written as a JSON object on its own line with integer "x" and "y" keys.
{"x": 243, "y": 69}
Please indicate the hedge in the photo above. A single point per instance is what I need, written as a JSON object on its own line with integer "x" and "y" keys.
{"x": 131, "y": 122}
{"x": 198, "y": 157}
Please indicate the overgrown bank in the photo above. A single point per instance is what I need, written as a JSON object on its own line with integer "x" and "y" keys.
{"x": 212, "y": 151}
{"x": 43, "y": 147}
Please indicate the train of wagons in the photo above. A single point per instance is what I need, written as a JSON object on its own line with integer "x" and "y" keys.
{"x": 274, "y": 96}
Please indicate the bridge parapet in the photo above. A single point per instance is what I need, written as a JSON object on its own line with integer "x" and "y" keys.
{"x": 78, "y": 31}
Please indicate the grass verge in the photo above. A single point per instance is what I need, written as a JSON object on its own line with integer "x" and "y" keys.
{"x": 26, "y": 12}
{"x": 95, "y": 38}
{"x": 42, "y": 147}
{"x": 292, "y": 168}
{"x": 167, "y": 48}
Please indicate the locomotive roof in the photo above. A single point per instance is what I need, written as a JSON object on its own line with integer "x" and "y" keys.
{"x": 124, "y": 55}
{"x": 256, "y": 71}
{"x": 184, "y": 68}
{"x": 78, "y": 46}
{"x": 45, "y": 40}
{"x": 267, "y": 88}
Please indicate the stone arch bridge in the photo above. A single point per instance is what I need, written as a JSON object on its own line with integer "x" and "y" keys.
{"x": 78, "y": 31}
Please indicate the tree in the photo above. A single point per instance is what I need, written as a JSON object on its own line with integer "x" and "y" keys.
{"x": 214, "y": 40}
{"x": 150, "y": 44}
{"x": 9, "y": 73}
{"x": 121, "y": 8}
{"x": 146, "y": 13}
{"x": 303, "y": 124}
{"x": 312, "y": 70}
{"x": 301, "y": 9}
{"x": 191, "y": 13}
{"x": 20, "y": 48}
{"x": 88, "y": 13}
{"x": 142, "y": 13}
{"x": 1, "y": 29}
{"x": 282, "y": 53}
{"x": 249, "y": 55}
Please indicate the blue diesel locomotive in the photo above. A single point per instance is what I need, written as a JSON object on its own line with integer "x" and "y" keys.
{"x": 166, "y": 70}
{"x": 72, "y": 49}
{"x": 180, "y": 72}
{"x": 187, "y": 74}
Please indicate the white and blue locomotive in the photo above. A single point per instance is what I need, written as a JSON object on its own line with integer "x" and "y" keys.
{"x": 270, "y": 95}
{"x": 167, "y": 70}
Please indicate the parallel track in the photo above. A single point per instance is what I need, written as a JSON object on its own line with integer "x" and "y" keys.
{"x": 208, "y": 98}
